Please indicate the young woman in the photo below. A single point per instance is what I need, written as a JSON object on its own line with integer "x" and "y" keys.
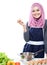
{"x": 33, "y": 31}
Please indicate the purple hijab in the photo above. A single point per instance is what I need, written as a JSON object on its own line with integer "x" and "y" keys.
{"x": 37, "y": 23}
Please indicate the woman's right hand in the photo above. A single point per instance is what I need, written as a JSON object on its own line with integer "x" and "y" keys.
{"x": 20, "y": 22}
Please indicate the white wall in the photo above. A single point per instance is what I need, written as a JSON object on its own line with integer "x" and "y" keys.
{"x": 11, "y": 33}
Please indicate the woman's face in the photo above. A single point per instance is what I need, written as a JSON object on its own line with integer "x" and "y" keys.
{"x": 36, "y": 13}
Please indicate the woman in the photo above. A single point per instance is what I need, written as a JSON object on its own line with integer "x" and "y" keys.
{"x": 33, "y": 32}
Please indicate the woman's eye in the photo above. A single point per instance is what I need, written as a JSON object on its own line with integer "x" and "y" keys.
{"x": 37, "y": 9}
{"x": 33, "y": 11}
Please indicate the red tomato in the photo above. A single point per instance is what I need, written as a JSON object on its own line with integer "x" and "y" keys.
{"x": 17, "y": 63}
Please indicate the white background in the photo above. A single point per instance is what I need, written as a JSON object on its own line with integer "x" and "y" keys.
{"x": 11, "y": 33}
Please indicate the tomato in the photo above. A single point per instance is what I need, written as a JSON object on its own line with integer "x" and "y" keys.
{"x": 17, "y": 63}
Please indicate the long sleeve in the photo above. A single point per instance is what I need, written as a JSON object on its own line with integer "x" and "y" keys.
{"x": 45, "y": 36}
{"x": 26, "y": 34}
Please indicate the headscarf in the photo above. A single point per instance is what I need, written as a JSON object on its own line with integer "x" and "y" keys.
{"x": 37, "y": 23}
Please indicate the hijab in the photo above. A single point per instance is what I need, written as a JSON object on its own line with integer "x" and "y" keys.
{"x": 37, "y": 23}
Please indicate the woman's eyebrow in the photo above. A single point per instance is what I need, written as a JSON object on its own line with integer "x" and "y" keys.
{"x": 37, "y": 9}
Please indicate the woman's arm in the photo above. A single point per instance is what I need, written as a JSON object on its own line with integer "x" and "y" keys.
{"x": 25, "y": 29}
{"x": 26, "y": 34}
{"x": 45, "y": 36}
